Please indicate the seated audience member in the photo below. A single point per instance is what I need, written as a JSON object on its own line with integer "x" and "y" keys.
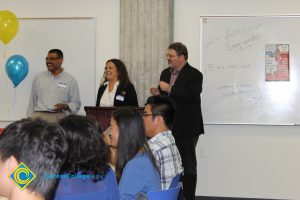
{"x": 117, "y": 90}
{"x": 108, "y": 141}
{"x": 135, "y": 165}
{"x": 89, "y": 176}
{"x": 41, "y": 147}
{"x": 159, "y": 115}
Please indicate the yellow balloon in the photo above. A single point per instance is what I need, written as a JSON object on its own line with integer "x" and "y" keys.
{"x": 9, "y": 26}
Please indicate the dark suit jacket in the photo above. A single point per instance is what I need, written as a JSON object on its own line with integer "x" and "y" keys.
{"x": 186, "y": 95}
{"x": 129, "y": 94}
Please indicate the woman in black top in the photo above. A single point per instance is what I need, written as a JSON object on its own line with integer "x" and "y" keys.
{"x": 117, "y": 90}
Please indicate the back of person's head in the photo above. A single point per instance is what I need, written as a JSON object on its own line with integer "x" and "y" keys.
{"x": 88, "y": 152}
{"x": 180, "y": 49}
{"x": 162, "y": 106}
{"x": 132, "y": 137}
{"x": 122, "y": 71}
{"x": 42, "y": 147}
{"x": 58, "y": 52}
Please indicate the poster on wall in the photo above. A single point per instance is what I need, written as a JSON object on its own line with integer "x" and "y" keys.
{"x": 277, "y": 62}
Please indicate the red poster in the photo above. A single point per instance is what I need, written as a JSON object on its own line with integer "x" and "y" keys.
{"x": 277, "y": 62}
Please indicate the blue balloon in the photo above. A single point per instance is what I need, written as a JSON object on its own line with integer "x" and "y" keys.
{"x": 16, "y": 69}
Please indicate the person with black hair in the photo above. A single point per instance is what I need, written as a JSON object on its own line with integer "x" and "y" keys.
{"x": 42, "y": 147}
{"x": 136, "y": 169}
{"x": 159, "y": 116}
{"x": 86, "y": 174}
{"x": 54, "y": 93}
{"x": 117, "y": 89}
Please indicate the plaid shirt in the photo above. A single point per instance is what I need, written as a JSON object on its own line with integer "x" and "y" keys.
{"x": 167, "y": 156}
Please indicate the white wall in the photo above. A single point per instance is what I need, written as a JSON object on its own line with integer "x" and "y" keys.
{"x": 233, "y": 160}
{"x": 106, "y": 13}
{"x": 241, "y": 160}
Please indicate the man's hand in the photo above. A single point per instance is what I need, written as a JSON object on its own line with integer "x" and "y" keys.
{"x": 60, "y": 107}
{"x": 165, "y": 86}
{"x": 154, "y": 91}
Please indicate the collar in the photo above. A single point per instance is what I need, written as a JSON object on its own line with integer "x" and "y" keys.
{"x": 159, "y": 135}
{"x": 116, "y": 84}
{"x": 175, "y": 72}
{"x": 59, "y": 75}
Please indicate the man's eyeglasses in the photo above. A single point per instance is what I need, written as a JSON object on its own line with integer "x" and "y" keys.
{"x": 51, "y": 58}
{"x": 145, "y": 115}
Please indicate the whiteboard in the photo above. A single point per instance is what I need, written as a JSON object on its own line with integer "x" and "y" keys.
{"x": 76, "y": 37}
{"x": 233, "y": 62}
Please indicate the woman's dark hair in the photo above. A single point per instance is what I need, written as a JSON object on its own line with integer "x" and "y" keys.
{"x": 122, "y": 71}
{"x": 132, "y": 138}
{"x": 88, "y": 153}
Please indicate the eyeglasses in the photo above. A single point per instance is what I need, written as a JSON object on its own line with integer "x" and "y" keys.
{"x": 145, "y": 115}
{"x": 51, "y": 58}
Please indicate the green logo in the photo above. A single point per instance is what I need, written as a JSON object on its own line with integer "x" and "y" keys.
{"x": 22, "y": 176}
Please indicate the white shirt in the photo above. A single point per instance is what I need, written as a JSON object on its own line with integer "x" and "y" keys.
{"x": 108, "y": 98}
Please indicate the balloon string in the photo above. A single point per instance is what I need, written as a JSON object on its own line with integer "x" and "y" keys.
{"x": 14, "y": 103}
{"x": 8, "y": 107}
{"x": 4, "y": 52}
{"x": 8, "y": 103}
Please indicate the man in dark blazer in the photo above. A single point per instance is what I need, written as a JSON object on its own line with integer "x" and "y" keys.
{"x": 183, "y": 83}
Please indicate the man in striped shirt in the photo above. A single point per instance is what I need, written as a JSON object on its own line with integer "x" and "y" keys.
{"x": 159, "y": 115}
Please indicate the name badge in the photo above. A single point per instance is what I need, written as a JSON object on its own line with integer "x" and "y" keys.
{"x": 62, "y": 85}
{"x": 120, "y": 97}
